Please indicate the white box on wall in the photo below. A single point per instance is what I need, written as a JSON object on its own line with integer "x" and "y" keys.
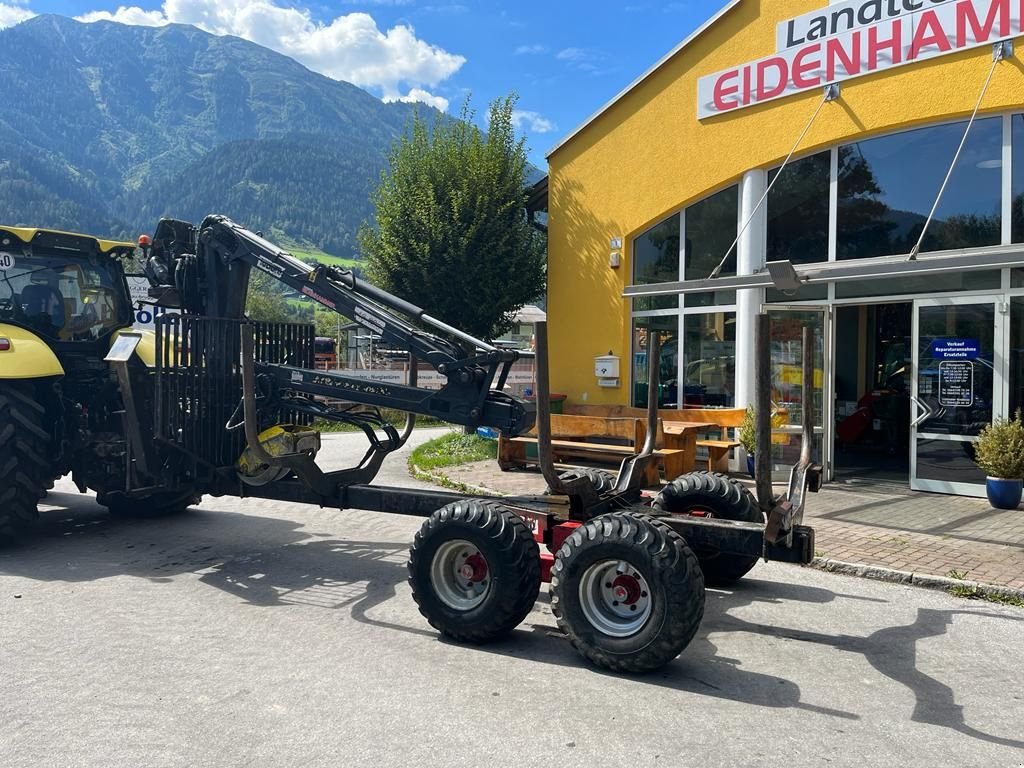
{"x": 606, "y": 367}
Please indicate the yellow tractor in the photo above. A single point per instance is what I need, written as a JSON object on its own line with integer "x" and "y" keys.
{"x": 63, "y": 302}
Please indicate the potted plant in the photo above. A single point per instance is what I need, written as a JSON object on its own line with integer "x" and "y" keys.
{"x": 999, "y": 451}
{"x": 747, "y": 435}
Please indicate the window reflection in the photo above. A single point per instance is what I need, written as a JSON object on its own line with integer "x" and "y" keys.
{"x": 709, "y": 344}
{"x": 656, "y": 260}
{"x": 887, "y": 187}
{"x": 1018, "y": 178}
{"x": 798, "y": 211}
{"x": 667, "y": 329}
{"x": 711, "y": 227}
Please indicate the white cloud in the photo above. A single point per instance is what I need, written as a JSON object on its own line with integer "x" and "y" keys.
{"x": 350, "y": 47}
{"x": 524, "y": 50}
{"x": 572, "y": 54}
{"x": 13, "y": 14}
{"x": 536, "y": 122}
{"x": 424, "y": 97}
{"x": 127, "y": 15}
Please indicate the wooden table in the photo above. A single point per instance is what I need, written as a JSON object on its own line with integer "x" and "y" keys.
{"x": 683, "y": 434}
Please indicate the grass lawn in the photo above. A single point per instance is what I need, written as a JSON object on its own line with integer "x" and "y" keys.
{"x": 452, "y": 449}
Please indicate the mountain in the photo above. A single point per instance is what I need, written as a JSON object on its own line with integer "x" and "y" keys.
{"x": 106, "y": 127}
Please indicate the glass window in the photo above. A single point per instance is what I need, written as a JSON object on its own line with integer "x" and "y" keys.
{"x": 887, "y": 187}
{"x": 898, "y": 286}
{"x": 798, "y": 211}
{"x": 656, "y": 260}
{"x": 1018, "y": 178}
{"x": 709, "y": 349}
{"x": 667, "y": 328}
{"x": 711, "y": 227}
{"x": 1016, "y": 353}
{"x": 64, "y": 299}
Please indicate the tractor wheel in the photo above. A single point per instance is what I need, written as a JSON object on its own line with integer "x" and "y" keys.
{"x": 710, "y": 494}
{"x": 627, "y": 591}
{"x": 474, "y": 569}
{"x": 24, "y": 468}
{"x": 601, "y": 480}
{"x": 157, "y": 505}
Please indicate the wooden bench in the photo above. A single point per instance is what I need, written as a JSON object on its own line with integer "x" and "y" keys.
{"x": 597, "y": 438}
{"x": 728, "y": 419}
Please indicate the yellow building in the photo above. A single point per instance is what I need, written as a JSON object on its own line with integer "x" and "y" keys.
{"x": 686, "y": 169}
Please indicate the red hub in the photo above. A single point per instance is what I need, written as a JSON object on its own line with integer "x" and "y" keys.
{"x": 474, "y": 569}
{"x": 626, "y": 589}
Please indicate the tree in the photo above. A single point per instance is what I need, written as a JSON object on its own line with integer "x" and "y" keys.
{"x": 451, "y": 231}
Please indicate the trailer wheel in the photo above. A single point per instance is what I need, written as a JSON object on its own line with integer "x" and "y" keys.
{"x": 24, "y": 467}
{"x": 627, "y": 591}
{"x": 601, "y": 480}
{"x": 157, "y": 505}
{"x": 474, "y": 569}
{"x": 711, "y": 494}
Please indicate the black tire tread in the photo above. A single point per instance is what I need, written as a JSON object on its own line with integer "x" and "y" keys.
{"x": 24, "y": 468}
{"x": 517, "y": 552}
{"x": 602, "y": 480}
{"x": 672, "y": 564}
{"x": 726, "y": 498}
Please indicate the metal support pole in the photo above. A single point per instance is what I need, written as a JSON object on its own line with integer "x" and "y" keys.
{"x": 762, "y": 413}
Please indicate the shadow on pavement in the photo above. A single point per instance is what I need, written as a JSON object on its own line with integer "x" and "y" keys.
{"x": 270, "y": 562}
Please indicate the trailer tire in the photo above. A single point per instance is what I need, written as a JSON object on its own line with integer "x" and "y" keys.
{"x": 474, "y": 569}
{"x": 655, "y": 574}
{"x": 712, "y": 494}
{"x": 157, "y": 505}
{"x": 602, "y": 481}
{"x": 24, "y": 468}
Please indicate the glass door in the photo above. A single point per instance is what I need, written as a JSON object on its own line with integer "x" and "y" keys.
{"x": 956, "y": 391}
{"x": 787, "y": 323}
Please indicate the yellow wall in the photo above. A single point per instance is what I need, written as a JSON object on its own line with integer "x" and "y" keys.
{"x": 647, "y": 156}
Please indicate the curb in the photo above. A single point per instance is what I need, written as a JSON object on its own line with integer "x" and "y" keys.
{"x": 943, "y": 583}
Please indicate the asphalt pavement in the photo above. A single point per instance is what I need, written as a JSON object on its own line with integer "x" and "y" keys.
{"x": 256, "y": 633}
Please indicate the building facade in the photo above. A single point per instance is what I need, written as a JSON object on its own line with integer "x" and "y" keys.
{"x": 916, "y": 298}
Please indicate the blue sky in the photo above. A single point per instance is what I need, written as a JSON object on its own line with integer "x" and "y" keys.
{"x": 565, "y": 58}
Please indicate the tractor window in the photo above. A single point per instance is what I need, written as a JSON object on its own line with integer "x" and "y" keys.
{"x": 61, "y": 299}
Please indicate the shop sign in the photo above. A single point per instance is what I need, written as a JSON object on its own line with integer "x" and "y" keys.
{"x": 956, "y": 384}
{"x": 955, "y": 349}
{"x": 856, "y": 38}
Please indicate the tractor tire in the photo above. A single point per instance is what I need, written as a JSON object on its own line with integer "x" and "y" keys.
{"x": 628, "y": 592}
{"x": 24, "y": 468}
{"x": 474, "y": 569}
{"x": 711, "y": 494}
{"x": 601, "y": 480}
{"x": 158, "y": 505}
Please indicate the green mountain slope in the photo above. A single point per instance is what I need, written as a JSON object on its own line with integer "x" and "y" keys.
{"x": 105, "y": 127}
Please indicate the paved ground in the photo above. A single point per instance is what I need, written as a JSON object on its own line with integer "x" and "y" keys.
{"x": 887, "y": 526}
{"x": 272, "y": 634}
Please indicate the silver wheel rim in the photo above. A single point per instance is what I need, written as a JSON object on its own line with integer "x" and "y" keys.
{"x": 460, "y": 575}
{"x": 615, "y": 598}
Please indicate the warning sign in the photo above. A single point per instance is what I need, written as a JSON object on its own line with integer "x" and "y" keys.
{"x": 956, "y": 383}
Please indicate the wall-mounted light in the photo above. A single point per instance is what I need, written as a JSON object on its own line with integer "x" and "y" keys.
{"x": 614, "y": 259}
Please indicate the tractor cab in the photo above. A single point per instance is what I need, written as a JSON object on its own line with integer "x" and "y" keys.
{"x": 62, "y": 287}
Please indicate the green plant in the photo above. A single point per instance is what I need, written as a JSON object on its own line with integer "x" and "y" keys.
{"x": 999, "y": 450}
{"x": 452, "y": 449}
{"x": 747, "y": 432}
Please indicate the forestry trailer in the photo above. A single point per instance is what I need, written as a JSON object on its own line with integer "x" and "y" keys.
{"x": 212, "y": 403}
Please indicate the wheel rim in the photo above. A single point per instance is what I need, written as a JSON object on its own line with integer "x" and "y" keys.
{"x": 460, "y": 575}
{"x": 615, "y": 598}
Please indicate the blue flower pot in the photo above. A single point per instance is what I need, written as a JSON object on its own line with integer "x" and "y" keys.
{"x": 1003, "y": 494}
{"x": 750, "y": 464}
